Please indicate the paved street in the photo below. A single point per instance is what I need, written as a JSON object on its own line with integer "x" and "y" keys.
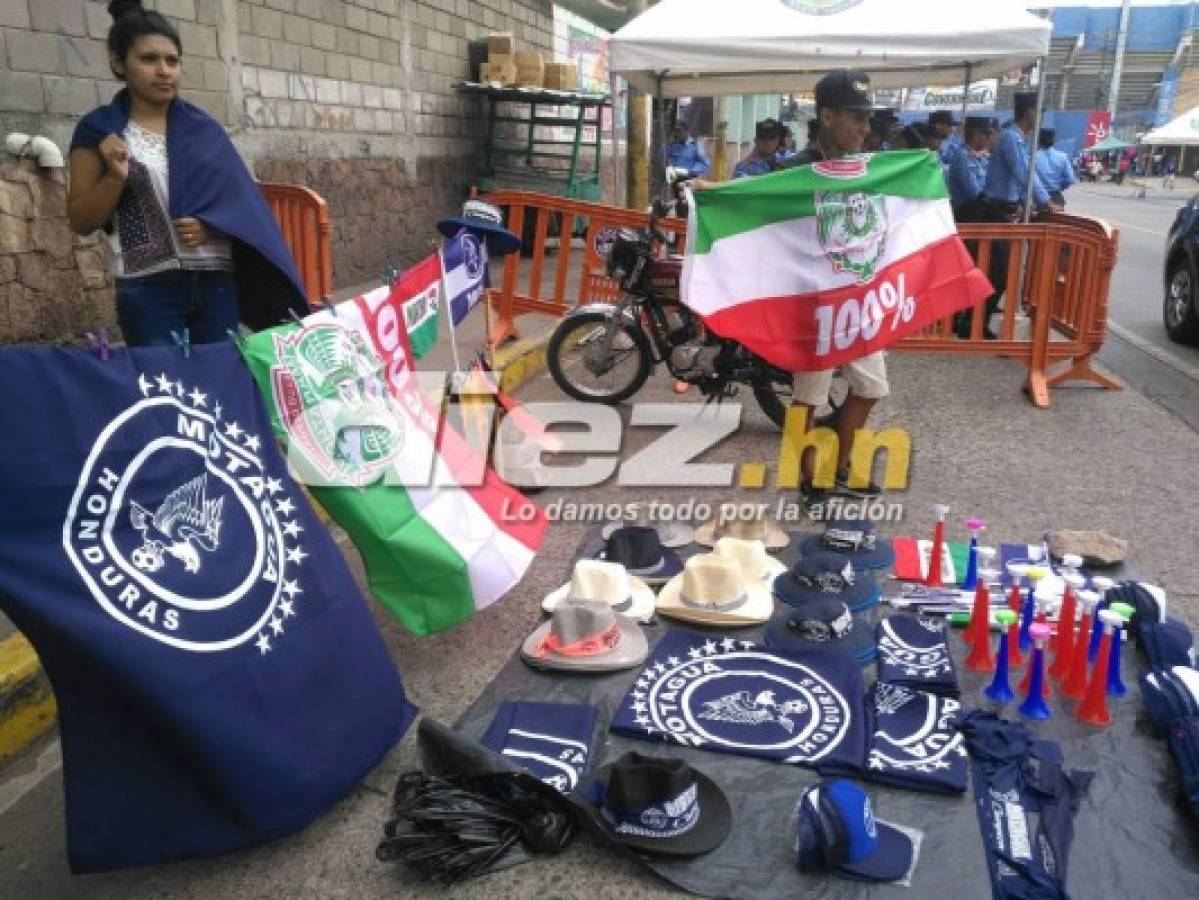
{"x": 1138, "y": 350}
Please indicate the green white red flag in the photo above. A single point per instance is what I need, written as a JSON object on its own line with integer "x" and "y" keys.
{"x": 815, "y": 266}
{"x": 440, "y": 534}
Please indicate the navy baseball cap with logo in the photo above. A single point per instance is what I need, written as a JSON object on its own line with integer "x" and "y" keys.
{"x": 837, "y": 833}
{"x": 824, "y": 575}
{"x": 821, "y": 624}
{"x": 844, "y": 89}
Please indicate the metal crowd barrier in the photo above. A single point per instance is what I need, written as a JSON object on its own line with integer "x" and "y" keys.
{"x": 1054, "y": 311}
{"x": 303, "y": 216}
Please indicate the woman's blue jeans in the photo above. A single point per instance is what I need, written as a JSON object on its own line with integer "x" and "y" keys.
{"x": 151, "y": 307}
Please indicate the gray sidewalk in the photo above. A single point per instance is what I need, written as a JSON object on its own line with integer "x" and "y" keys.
{"x": 1097, "y": 459}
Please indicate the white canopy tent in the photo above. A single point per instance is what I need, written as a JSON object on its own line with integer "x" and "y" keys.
{"x": 681, "y": 48}
{"x": 1181, "y": 132}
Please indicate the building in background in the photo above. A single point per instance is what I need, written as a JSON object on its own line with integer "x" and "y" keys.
{"x": 353, "y": 98}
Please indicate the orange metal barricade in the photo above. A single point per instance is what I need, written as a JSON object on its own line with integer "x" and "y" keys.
{"x": 1054, "y": 311}
{"x": 303, "y": 217}
{"x": 559, "y": 280}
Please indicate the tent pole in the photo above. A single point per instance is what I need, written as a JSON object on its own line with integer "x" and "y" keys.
{"x": 1032, "y": 140}
{"x": 966, "y": 98}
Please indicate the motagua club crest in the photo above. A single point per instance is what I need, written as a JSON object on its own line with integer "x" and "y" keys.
{"x": 179, "y": 532}
{"x": 332, "y": 397}
{"x": 733, "y": 696}
{"x": 852, "y": 226}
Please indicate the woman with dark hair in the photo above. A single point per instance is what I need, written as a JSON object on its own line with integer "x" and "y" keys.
{"x": 192, "y": 244}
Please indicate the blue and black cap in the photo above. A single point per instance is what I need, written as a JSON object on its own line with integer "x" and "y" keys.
{"x": 836, "y": 832}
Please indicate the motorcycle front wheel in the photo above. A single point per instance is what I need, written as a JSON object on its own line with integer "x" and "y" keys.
{"x": 579, "y": 366}
{"x": 773, "y": 394}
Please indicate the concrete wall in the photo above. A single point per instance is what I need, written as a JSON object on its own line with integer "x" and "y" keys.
{"x": 355, "y": 99}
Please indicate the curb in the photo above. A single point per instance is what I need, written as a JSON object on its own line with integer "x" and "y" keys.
{"x": 520, "y": 360}
{"x": 27, "y": 706}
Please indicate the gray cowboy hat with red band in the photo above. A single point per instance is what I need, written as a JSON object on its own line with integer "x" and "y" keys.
{"x": 856, "y": 540}
{"x": 824, "y": 576}
{"x": 586, "y": 636}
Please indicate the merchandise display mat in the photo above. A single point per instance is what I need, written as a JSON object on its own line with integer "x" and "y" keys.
{"x": 1133, "y": 836}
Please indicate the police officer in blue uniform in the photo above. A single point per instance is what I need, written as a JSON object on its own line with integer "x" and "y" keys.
{"x": 967, "y": 173}
{"x": 764, "y": 157}
{"x": 1007, "y": 173}
{"x": 1054, "y": 167}
{"x": 684, "y": 152}
{"x": 942, "y": 124}
{"x": 1005, "y": 187}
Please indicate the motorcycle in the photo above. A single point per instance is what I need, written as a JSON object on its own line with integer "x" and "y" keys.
{"x": 604, "y": 352}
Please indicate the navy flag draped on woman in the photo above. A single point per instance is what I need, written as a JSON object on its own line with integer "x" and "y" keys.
{"x": 191, "y": 241}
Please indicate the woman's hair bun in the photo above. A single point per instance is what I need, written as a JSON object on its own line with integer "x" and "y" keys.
{"x": 118, "y": 8}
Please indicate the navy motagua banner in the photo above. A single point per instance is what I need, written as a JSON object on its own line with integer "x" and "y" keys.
{"x": 219, "y": 678}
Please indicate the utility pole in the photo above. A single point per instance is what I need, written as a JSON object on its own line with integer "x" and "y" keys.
{"x": 1113, "y": 97}
{"x": 637, "y": 138}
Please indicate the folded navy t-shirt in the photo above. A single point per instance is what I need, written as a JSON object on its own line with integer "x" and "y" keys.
{"x": 550, "y": 740}
{"x": 913, "y": 740}
{"x": 912, "y": 651}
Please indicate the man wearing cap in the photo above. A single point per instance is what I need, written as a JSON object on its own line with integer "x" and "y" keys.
{"x": 684, "y": 152}
{"x": 1053, "y": 167}
{"x": 968, "y": 169}
{"x": 764, "y": 157}
{"x": 843, "y": 108}
{"x": 942, "y": 124}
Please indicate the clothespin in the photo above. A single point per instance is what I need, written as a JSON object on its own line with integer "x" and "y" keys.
{"x": 295, "y": 317}
{"x": 236, "y": 337}
{"x": 98, "y": 341}
{"x": 183, "y": 342}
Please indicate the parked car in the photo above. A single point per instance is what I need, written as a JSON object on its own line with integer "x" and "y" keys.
{"x": 1180, "y": 312}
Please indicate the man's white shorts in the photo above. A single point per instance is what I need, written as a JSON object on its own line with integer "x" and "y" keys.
{"x": 867, "y": 377}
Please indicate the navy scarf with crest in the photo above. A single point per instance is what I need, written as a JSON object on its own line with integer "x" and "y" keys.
{"x": 220, "y": 680}
{"x": 208, "y": 181}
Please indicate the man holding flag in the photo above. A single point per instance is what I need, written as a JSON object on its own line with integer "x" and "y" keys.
{"x": 825, "y": 263}
{"x": 843, "y": 108}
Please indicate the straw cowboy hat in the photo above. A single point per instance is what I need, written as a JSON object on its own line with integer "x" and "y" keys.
{"x": 757, "y": 529}
{"x": 595, "y": 579}
{"x": 714, "y": 590}
{"x": 755, "y": 562}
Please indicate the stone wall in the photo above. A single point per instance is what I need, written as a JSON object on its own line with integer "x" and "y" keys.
{"x": 53, "y": 285}
{"x": 354, "y": 99}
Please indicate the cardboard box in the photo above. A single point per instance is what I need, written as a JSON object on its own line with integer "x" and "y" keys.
{"x": 561, "y": 77}
{"x": 530, "y": 68}
{"x": 500, "y": 44}
{"x": 502, "y": 71}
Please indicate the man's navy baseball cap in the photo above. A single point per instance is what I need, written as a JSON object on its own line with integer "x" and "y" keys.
{"x": 844, "y": 89}
{"x": 836, "y": 832}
